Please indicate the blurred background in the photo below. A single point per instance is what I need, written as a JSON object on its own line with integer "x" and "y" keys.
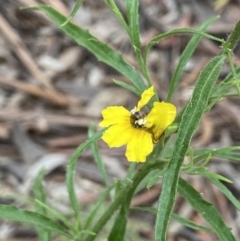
{"x": 51, "y": 89}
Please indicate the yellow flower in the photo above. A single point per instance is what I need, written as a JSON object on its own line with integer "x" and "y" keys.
{"x": 135, "y": 129}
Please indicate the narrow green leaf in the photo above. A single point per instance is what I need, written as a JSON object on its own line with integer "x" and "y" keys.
{"x": 43, "y": 234}
{"x": 207, "y": 210}
{"x": 174, "y": 32}
{"x": 233, "y": 38}
{"x": 189, "y": 223}
{"x": 73, "y": 13}
{"x": 185, "y": 56}
{"x": 96, "y": 207}
{"x": 132, "y": 7}
{"x": 176, "y": 218}
{"x": 131, "y": 170}
{"x": 97, "y": 156}
{"x": 101, "y": 50}
{"x": 114, "y": 8}
{"x": 189, "y": 122}
{"x": 39, "y": 192}
{"x": 56, "y": 214}
{"x": 225, "y": 191}
{"x": 215, "y": 176}
{"x": 226, "y": 152}
{"x": 118, "y": 230}
{"x": 132, "y": 14}
{"x": 148, "y": 180}
{"x": 71, "y": 172}
{"x": 221, "y": 89}
{"x": 127, "y": 86}
{"x": 82, "y": 232}
{"x": 235, "y": 156}
{"x": 19, "y": 215}
{"x": 154, "y": 178}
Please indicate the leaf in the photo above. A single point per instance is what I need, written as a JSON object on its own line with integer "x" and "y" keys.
{"x": 215, "y": 176}
{"x": 176, "y": 218}
{"x": 118, "y": 230}
{"x": 154, "y": 177}
{"x": 131, "y": 170}
{"x": 185, "y": 56}
{"x": 189, "y": 223}
{"x": 225, "y": 191}
{"x": 56, "y": 214}
{"x": 97, "y": 156}
{"x": 73, "y": 13}
{"x": 101, "y": 50}
{"x": 235, "y": 156}
{"x": 39, "y": 192}
{"x": 189, "y": 122}
{"x": 71, "y": 172}
{"x": 19, "y": 215}
{"x": 96, "y": 207}
{"x": 127, "y": 86}
{"x": 132, "y": 7}
{"x": 226, "y": 152}
{"x": 221, "y": 89}
{"x": 43, "y": 234}
{"x": 148, "y": 180}
{"x": 114, "y": 8}
{"x": 233, "y": 38}
{"x": 206, "y": 209}
{"x": 174, "y": 32}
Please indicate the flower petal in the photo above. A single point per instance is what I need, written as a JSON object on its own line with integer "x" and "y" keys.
{"x": 160, "y": 117}
{"x": 118, "y": 135}
{"x": 139, "y": 146}
{"x": 114, "y": 115}
{"x": 146, "y": 96}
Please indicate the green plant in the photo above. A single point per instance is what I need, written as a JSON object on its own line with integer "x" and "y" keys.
{"x": 207, "y": 92}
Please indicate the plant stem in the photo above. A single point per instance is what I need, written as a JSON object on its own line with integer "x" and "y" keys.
{"x": 113, "y": 7}
{"x": 124, "y": 195}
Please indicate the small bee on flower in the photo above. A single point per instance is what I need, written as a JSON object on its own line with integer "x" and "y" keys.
{"x": 137, "y": 118}
{"x": 136, "y": 129}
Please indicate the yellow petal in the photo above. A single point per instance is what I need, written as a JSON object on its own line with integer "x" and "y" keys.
{"x": 139, "y": 146}
{"x": 114, "y": 115}
{"x": 160, "y": 117}
{"x": 146, "y": 96}
{"x": 118, "y": 134}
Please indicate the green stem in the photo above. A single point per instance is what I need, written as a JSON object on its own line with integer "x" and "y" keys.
{"x": 113, "y": 7}
{"x": 145, "y": 72}
{"x": 123, "y": 196}
{"x": 142, "y": 66}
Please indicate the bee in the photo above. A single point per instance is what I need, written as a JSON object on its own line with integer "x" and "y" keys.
{"x": 139, "y": 115}
{"x": 137, "y": 119}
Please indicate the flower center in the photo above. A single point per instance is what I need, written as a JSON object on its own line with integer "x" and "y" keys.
{"x": 137, "y": 119}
